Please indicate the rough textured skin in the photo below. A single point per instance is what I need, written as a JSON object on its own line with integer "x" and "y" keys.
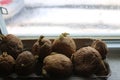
{"x": 101, "y": 47}
{"x": 86, "y": 60}
{"x": 101, "y": 71}
{"x": 7, "y": 63}
{"x": 42, "y": 48}
{"x": 25, "y": 63}
{"x": 12, "y": 45}
{"x": 57, "y": 65}
{"x": 65, "y": 45}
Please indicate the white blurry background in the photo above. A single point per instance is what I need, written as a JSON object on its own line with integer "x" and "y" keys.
{"x": 80, "y": 18}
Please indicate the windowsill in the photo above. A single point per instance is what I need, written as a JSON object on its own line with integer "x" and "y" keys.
{"x": 53, "y": 31}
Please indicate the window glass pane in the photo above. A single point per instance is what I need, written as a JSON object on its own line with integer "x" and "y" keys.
{"x": 80, "y": 18}
{"x": 3, "y": 29}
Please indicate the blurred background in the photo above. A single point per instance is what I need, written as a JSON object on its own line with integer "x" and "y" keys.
{"x": 80, "y": 18}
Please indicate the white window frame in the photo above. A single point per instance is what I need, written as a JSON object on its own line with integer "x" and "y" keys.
{"x": 3, "y": 29}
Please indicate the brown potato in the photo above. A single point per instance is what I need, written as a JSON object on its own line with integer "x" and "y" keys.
{"x": 57, "y": 65}
{"x": 42, "y": 48}
{"x": 11, "y": 44}
{"x": 7, "y": 63}
{"x": 101, "y": 47}
{"x": 64, "y": 45}
{"x": 86, "y": 60}
{"x": 25, "y": 63}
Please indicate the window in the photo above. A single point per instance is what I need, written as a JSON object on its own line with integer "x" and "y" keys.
{"x": 80, "y": 18}
{"x": 28, "y": 19}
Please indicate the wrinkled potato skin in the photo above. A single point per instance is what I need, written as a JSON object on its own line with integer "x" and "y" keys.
{"x": 85, "y": 61}
{"x": 25, "y": 63}
{"x": 7, "y": 63}
{"x": 64, "y": 45}
{"x": 101, "y": 47}
{"x": 42, "y": 48}
{"x": 58, "y": 65}
{"x": 12, "y": 45}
